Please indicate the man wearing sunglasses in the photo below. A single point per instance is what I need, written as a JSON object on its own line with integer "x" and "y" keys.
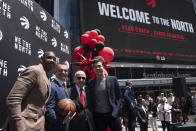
{"x": 55, "y": 122}
{"x": 104, "y": 99}
{"x": 83, "y": 120}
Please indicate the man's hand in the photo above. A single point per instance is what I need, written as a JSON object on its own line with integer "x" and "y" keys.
{"x": 69, "y": 116}
{"x": 132, "y": 105}
{"x": 143, "y": 121}
{"x": 125, "y": 122}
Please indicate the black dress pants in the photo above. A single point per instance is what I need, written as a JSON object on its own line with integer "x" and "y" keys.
{"x": 165, "y": 124}
{"x": 105, "y": 120}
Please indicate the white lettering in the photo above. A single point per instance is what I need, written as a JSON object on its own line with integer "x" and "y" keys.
{"x": 56, "y": 26}
{"x": 121, "y": 13}
{"x": 40, "y": 33}
{"x": 3, "y": 68}
{"x": 182, "y": 26}
{"x": 5, "y": 10}
{"x": 22, "y": 45}
{"x": 27, "y": 3}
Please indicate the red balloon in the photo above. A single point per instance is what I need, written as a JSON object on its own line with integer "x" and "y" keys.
{"x": 92, "y": 74}
{"x": 100, "y": 38}
{"x": 107, "y": 53}
{"x": 78, "y": 50}
{"x": 85, "y": 38}
{"x": 92, "y": 43}
{"x": 93, "y": 34}
{"x": 87, "y": 32}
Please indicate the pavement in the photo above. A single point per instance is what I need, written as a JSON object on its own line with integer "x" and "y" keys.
{"x": 149, "y": 128}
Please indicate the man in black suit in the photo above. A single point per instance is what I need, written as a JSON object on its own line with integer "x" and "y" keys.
{"x": 83, "y": 120}
{"x": 104, "y": 99}
{"x": 142, "y": 115}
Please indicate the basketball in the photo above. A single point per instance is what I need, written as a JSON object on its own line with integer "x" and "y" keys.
{"x": 64, "y": 106}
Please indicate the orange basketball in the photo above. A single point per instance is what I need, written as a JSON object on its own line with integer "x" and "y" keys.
{"x": 64, "y": 106}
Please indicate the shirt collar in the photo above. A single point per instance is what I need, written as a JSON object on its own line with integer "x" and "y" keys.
{"x": 78, "y": 88}
{"x": 59, "y": 81}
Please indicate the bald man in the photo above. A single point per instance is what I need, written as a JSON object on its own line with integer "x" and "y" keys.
{"x": 26, "y": 101}
{"x": 83, "y": 120}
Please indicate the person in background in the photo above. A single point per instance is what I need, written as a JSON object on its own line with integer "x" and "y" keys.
{"x": 147, "y": 99}
{"x": 164, "y": 112}
{"x": 162, "y": 95}
{"x": 152, "y": 113}
{"x": 83, "y": 120}
{"x": 129, "y": 105}
{"x": 185, "y": 108}
{"x": 26, "y": 101}
{"x": 170, "y": 98}
{"x": 142, "y": 115}
{"x": 54, "y": 121}
{"x": 192, "y": 116}
{"x": 104, "y": 99}
{"x": 176, "y": 111}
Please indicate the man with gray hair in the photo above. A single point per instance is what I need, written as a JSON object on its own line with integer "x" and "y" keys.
{"x": 83, "y": 119}
{"x": 164, "y": 112}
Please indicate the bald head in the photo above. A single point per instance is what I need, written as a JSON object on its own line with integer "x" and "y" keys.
{"x": 48, "y": 60}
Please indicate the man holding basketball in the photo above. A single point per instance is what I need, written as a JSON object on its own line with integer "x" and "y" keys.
{"x": 55, "y": 121}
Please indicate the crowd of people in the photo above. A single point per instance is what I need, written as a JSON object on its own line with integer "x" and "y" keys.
{"x": 167, "y": 108}
{"x": 101, "y": 105}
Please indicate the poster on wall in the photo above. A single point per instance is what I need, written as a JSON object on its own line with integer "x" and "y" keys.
{"x": 26, "y": 32}
{"x": 160, "y": 30}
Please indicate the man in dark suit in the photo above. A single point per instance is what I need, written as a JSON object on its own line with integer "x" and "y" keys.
{"x": 129, "y": 105}
{"x": 26, "y": 101}
{"x": 83, "y": 120}
{"x": 54, "y": 122}
{"x": 104, "y": 99}
{"x": 142, "y": 115}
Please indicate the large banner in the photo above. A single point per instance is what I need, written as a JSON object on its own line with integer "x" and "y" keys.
{"x": 26, "y": 31}
{"x": 160, "y": 30}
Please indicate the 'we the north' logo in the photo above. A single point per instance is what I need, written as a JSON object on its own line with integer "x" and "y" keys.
{"x": 24, "y": 22}
{"x": 40, "y": 53}
{"x": 43, "y": 15}
{"x": 21, "y": 69}
{"x": 1, "y": 35}
{"x": 66, "y": 34}
{"x": 151, "y": 3}
{"x": 54, "y": 42}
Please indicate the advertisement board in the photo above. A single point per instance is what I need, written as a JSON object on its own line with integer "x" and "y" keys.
{"x": 26, "y": 32}
{"x": 160, "y": 30}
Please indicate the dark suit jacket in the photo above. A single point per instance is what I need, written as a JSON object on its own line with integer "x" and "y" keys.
{"x": 141, "y": 115}
{"x": 54, "y": 122}
{"x": 129, "y": 111}
{"x": 114, "y": 94}
{"x": 83, "y": 120}
{"x": 129, "y": 95}
{"x": 26, "y": 101}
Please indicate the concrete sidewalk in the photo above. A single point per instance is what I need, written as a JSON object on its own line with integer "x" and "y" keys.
{"x": 149, "y": 128}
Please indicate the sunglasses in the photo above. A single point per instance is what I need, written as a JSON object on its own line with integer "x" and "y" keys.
{"x": 83, "y": 78}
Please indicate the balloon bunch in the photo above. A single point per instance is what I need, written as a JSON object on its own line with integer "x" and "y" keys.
{"x": 92, "y": 45}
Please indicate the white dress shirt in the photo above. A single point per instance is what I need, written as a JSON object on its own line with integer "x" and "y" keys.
{"x": 167, "y": 108}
